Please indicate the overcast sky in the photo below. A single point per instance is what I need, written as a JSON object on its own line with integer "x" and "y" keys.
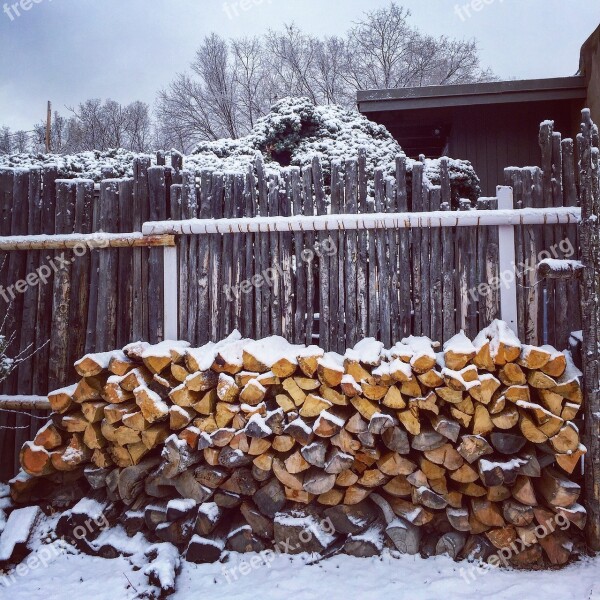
{"x": 70, "y": 50}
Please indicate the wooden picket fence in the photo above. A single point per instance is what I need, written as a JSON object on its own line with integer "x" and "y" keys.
{"x": 328, "y": 287}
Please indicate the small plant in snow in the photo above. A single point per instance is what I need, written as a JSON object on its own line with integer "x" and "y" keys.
{"x": 9, "y": 363}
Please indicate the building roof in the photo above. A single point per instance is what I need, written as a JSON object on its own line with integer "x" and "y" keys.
{"x": 472, "y": 94}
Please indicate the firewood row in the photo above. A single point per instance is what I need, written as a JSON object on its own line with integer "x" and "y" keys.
{"x": 239, "y": 445}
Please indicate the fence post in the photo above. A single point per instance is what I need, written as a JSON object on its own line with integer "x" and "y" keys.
{"x": 590, "y": 289}
{"x": 506, "y": 251}
{"x": 170, "y": 294}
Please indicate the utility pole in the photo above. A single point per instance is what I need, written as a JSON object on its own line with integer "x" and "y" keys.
{"x": 48, "y": 127}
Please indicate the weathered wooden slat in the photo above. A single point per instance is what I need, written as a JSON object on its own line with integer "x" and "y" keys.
{"x": 425, "y": 258}
{"x": 59, "y": 351}
{"x": 531, "y": 297}
{"x": 383, "y": 276}
{"x": 215, "y": 259}
{"x": 392, "y": 249}
{"x": 404, "y": 267}
{"x": 324, "y": 301}
{"x": 538, "y": 202}
{"x": 286, "y": 243}
{"x": 189, "y": 209}
{"x": 141, "y": 212}
{"x": 308, "y": 208}
{"x": 363, "y": 296}
{"x": 17, "y": 265}
{"x": 263, "y": 264}
{"x": 157, "y": 200}
{"x": 437, "y": 315}
{"x": 570, "y": 198}
{"x": 491, "y": 303}
{"x": 80, "y": 281}
{"x": 302, "y": 267}
{"x": 228, "y": 303}
{"x": 106, "y": 316}
{"x": 7, "y": 420}
{"x": 351, "y": 291}
{"x": 274, "y": 270}
{"x": 238, "y": 257}
{"x": 562, "y": 323}
{"x": 448, "y": 262}
{"x": 250, "y": 301}
{"x": 416, "y": 237}
{"x": 545, "y": 142}
{"x": 32, "y": 299}
{"x": 175, "y": 210}
{"x": 334, "y": 284}
{"x": 203, "y": 330}
{"x": 125, "y": 306}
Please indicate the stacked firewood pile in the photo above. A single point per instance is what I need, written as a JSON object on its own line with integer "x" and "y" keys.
{"x": 239, "y": 445}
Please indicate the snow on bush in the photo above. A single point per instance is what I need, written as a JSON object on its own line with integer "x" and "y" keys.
{"x": 296, "y": 130}
{"x": 292, "y": 134}
{"x": 94, "y": 164}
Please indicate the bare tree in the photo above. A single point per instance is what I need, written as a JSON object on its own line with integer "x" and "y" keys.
{"x": 251, "y": 77}
{"x": 138, "y": 126}
{"x": 5, "y": 140}
{"x": 234, "y": 83}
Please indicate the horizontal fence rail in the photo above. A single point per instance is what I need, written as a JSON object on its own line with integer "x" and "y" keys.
{"x": 301, "y": 223}
{"x": 24, "y": 403}
{"x": 93, "y": 241}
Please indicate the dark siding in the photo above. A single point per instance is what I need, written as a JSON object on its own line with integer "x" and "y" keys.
{"x": 492, "y": 137}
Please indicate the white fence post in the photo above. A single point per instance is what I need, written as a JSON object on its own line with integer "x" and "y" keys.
{"x": 506, "y": 252}
{"x": 170, "y": 294}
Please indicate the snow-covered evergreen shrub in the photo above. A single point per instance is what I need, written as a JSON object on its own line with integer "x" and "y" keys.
{"x": 293, "y": 133}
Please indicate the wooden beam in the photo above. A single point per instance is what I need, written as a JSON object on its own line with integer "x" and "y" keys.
{"x": 25, "y": 403}
{"x": 329, "y": 222}
{"x": 92, "y": 241}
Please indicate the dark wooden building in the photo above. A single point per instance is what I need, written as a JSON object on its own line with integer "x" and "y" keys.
{"x": 493, "y": 125}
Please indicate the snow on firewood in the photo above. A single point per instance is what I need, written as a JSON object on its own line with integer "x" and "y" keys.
{"x": 332, "y": 361}
{"x": 459, "y": 344}
{"x": 496, "y": 334}
{"x": 17, "y": 531}
{"x": 326, "y": 416}
{"x": 164, "y": 349}
{"x": 92, "y": 364}
{"x": 165, "y": 563}
{"x": 349, "y": 380}
{"x": 506, "y": 465}
{"x": 271, "y": 350}
{"x": 256, "y": 421}
{"x": 367, "y": 351}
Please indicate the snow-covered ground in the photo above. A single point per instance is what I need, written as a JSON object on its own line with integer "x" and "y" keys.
{"x": 338, "y": 578}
